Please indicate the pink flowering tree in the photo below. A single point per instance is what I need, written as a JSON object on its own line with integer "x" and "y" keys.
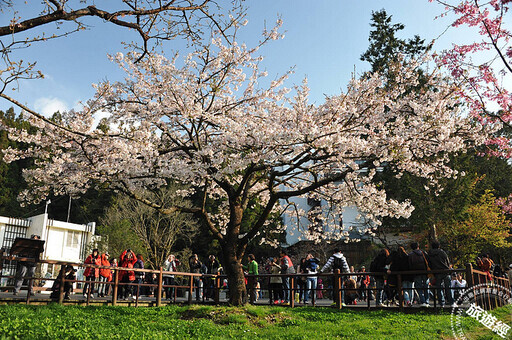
{"x": 215, "y": 121}
{"x": 483, "y": 68}
{"x": 505, "y": 203}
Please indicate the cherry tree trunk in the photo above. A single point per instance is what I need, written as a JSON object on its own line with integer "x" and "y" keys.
{"x": 236, "y": 279}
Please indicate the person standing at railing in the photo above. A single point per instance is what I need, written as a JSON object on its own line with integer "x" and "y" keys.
{"x": 302, "y": 280}
{"x": 337, "y": 262}
{"x": 139, "y": 276}
{"x": 458, "y": 285}
{"x": 252, "y": 269}
{"x": 286, "y": 268}
{"x": 439, "y": 261}
{"x": 69, "y": 275}
{"x": 378, "y": 265}
{"x": 276, "y": 282}
{"x": 105, "y": 275}
{"x": 127, "y": 260}
{"x": 311, "y": 268}
{"x": 170, "y": 265}
{"x": 195, "y": 267}
{"x": 398, "y": 261}
{"x": 212, "y": 268}
{"x": 91, "y": 274}
{"x": 418, "y": 262}
{"x": 26, "y": 268}
{"x": 363, "y": 282}
{"x": 485, "y": 264}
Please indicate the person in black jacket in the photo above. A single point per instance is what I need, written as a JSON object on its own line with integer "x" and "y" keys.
{"x": 439, "y": 260}
{"x": 195, "y": 267}
{"x": 69, "y": 274}
{"x": 398, "y": 261}
{"x": 378, "y": 265}
{"x": 418, "y": 261}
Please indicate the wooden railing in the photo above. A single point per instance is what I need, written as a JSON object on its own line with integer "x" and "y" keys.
{"x": 187, "y": 282}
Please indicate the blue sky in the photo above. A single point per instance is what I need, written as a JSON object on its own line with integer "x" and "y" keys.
{"x": 323, "y": 41}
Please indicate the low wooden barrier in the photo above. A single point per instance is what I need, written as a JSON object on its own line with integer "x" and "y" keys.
{"x": 213, "y": 285}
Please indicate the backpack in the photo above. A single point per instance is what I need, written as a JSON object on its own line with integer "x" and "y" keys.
{"x": 417, "y": 262}
{"x": 337, "y": 263}
{"x": 378, "y": 264}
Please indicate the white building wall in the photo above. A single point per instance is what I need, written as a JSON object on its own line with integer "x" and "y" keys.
{"x": 295, "y": 233}
{"x": 63, "y": 241}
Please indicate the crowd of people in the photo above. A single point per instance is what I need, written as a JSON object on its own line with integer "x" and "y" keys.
{"x": 382, "y": 286}
{"x": 98, "y": 280}
{"x": 309, "y": 285}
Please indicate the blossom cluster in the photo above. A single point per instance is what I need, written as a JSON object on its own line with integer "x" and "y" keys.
{"x": 220, "y": 125}
{"x": 483, "y": 68}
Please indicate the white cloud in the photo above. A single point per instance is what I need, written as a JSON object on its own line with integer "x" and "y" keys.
{"x": 48, "y": 106}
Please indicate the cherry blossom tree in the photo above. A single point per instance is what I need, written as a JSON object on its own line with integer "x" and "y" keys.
{"x": 151, "y": 21}
{"x": 215, "y": 121}
{"x": 483, "y": 68}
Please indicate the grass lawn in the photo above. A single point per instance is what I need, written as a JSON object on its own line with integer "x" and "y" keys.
{"x": 214, "y": 322}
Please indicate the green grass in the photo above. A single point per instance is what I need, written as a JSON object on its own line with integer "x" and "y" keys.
{"x": 214, "y": 322}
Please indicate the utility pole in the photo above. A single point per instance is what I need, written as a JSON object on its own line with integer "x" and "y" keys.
{"x": 46, "y": 207}
{"x": 69, "y": 208}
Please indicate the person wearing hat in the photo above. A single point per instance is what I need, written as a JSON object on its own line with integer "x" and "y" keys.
{"x": 105, "y": 275}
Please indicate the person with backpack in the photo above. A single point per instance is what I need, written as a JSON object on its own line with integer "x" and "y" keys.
{"x": 439, "y": 260}
{"x": 418, "y": 261}
{"x": 378, "y": 265}
{"x": 337, "y": 262}
{"x": 286, "y": 268}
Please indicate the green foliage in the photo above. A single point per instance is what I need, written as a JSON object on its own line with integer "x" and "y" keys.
{"x": 449, "y": 209}
{"x": 385, "y": 46}
{"x": 11, "y": 177}
{"x": 83, "y": 210}
{"x": 482, "y": 227}
{"x": 130, "y": 224}
{"x": 220, "y": 322}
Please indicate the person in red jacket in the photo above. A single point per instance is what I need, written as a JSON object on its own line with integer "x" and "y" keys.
{"x": 127, "y": 260}
{"x": 91, "y": 273}
{"x": 105, "y": 275}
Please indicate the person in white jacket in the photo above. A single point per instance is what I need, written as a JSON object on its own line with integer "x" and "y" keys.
{"x": 337, "y": 261}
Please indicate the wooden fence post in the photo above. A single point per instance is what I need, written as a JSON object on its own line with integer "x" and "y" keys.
{"x": 337, "y": 287}
{"x": 62, "y": 282}
{"x": 159, "y": 288}
{"x": 217, "y": 288}
{"x": 190, "y": 290}
{"x": 292, "y": 291}
{"x": 116, "y": 287}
